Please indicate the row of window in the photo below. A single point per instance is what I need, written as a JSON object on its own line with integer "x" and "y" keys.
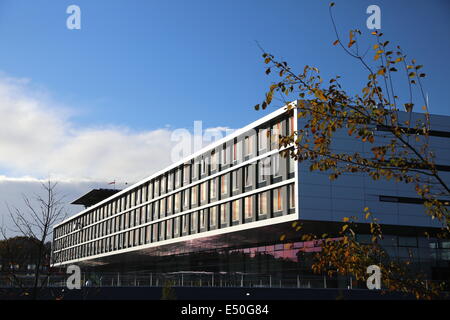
{"x": 218, "y": 159}
{"x": 215, "y": 189}
{"x": 247, "y": 209}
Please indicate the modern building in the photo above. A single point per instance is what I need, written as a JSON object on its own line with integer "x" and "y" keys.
{"x": 227, "y": 207}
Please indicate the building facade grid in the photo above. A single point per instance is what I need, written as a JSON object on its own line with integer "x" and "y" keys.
{"x": 240, "y": 180}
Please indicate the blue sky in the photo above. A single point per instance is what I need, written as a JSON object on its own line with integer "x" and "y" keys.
{"x": 100, "y": 104}
{"x": 72, "y": 101}
{"x": 148, "y": 64}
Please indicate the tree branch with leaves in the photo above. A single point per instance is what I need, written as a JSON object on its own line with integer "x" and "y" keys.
{"x": 400, "y": 148}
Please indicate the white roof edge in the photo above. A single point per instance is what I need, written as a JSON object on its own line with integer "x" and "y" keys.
{"x": 232, "y": 135}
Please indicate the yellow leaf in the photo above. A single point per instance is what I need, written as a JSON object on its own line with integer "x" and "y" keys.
{"x": 319, "y": 94}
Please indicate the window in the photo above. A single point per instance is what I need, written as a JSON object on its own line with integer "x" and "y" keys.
{"x": 170, "y": 181}
{"x": 169, "y": 204}
{"x": 262, "y": 203}
{"x": 224, "y": 155}
{"x": 223, "y": 214}
{"x": 212, "y": 216}
{"x": 276, "y": 132}
{"x": 194, "y": 170}
{"x": 149, "y": 213}
{"x": 194, "y": 194}
{"x": 163, "y": 184}
{"x": 235, "y": 210}
{"x": 264, "y": 168}
{"x": 177, "y": 178}
{"x": 142, "y": 235}
{"x": 235, "y": 180}
{"x": 162, "y": 230}
{"x": 291, "y": 196}
{"x": 186, "y": 198}
{"x": 156, "y": 187}
{"x": 148, "y": 232}
{"x": 203, "y": 166}
{"x": 235, "y": 151}
{"x": 132, "y": 219}
{"x": 248, "y": 176}
{"x": 177, "y": 201}
{"x": 163, "y": 207}
{"x": 194, "y": 221}
{"x": 186, "y": 173}
{"x": 127, "y": 219}
{"x": 248, "y": 145}
{"x": 176, "y": 225}
{"x": 202, "y": 219}
{"x": 150, "y": 191}
{"x": 223, "y": 184}
{"x": 155, "y": 232}
{"x": 275, "y": 165}
{"x": 213, "y": 160}
{"x": 212, "y": 188}
{"x": 130, "y": 238}
{"x": 136, "y": 237}
{"x": 203, "y": 191}
{"x": 169, "y": 229}
{"x": 277, "y": 200}
{"x": 155, "y": 210}
{"x": 185, "y": 223}
{"x": 262, "y": 137}
{"x": 248, "y": 208}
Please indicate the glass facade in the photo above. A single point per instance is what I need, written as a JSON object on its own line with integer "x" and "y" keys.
{"x": 233, "y": 183}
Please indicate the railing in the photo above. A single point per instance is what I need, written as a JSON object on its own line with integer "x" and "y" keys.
{"x": 186, "y": 279}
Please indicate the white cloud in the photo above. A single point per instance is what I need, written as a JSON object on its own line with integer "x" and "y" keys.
{"x": 38, "y": 140}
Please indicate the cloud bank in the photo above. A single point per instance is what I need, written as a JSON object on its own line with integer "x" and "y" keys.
{"x": 38, "y": 140}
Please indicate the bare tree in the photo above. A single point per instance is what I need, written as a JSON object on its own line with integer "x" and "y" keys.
{"x": 35, "y": 221}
